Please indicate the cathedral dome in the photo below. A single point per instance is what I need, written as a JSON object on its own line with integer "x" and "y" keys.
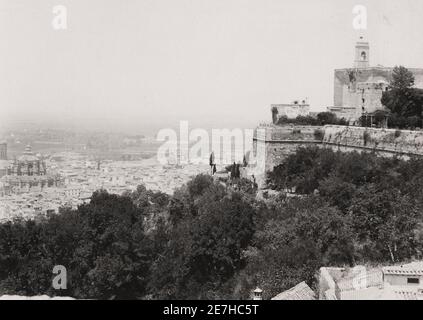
{"x": 28, "y": 155}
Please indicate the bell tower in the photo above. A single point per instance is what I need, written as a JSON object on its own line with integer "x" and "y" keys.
{"x": 362, "y": 52}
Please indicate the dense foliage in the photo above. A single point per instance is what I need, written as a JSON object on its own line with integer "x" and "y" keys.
{"x": 322, "y": 118}
{"x": 379, "y": 198}
{"x": 404, "y": 102}
{"x": 218, "y": 241}
{"x": 103, "y": 246}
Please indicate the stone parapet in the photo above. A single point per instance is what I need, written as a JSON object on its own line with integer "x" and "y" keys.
{"x": 272, "y": 144}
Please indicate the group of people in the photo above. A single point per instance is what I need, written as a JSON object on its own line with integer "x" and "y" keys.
{"x": 235, "y": 168}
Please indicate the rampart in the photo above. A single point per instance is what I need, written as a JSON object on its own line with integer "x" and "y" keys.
{"x": 272, "y": 144}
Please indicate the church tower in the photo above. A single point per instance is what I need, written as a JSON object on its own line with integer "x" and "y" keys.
{"x": 362, "y": 52}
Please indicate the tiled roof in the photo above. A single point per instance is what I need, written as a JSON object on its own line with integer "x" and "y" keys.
{"x": 400, "y": 293}
{"x": 408, "y": 295}
{"x": 414, "y": 268}
{"x": 372, "y": 293}
{"x": 300, "y": 292}
{"x": 386, "y": 293}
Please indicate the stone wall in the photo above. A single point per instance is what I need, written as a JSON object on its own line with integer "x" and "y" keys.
{"x": 386, "y": 142}
{"x": 272, "y": 144}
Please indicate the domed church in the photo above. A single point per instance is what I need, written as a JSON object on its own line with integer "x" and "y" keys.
{"x": 28, "y": 173}
{"x": 28, "y": 164}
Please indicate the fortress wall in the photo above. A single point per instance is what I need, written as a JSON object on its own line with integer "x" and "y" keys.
{"x": 272, "y": 144}
{"x": 276, "y": 152}
{"x": 271, "y": 154}
{"x": 384, "y": 141}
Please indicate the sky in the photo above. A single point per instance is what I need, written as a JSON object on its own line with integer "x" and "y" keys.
{"x": 142, "y": 65}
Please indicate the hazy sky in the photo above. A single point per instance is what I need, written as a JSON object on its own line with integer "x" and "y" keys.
{"x": 138, "y": 64}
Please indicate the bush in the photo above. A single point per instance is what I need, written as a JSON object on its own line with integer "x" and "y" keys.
{"x": 327, "y": 118}
{"x": 319, "y": 134}
{"x": 283, "y": 120}
{"x": 275, "y": 115}
{"x": 366, "y": 137}
{"x": 379, "y": 117}
{"x": 413, "y": 122}
{"x": 323, "y": 118}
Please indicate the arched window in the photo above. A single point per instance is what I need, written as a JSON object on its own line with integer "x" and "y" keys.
{"x": 363, "y": 56}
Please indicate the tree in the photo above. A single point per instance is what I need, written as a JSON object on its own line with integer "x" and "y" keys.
{"x": 384, "y": 221}
{"x": 206, "y": 250}
{"x": 211, "y": 161}
{"x": 244, "y": 160}
{"x": 404, "y": 101}
{"x": 102, "y": 244}
{"x": 275, "y": 115}
{"x": 380, "y": 117}
{"x": 337, "y": 192}
{"x": 303, "y": 170}
{"x": 402, "y": 79}
{"x": 199, "y": 184}
{"x": 327, "y": 118}
{"x": 233, "y": 171}
{"x": 237, "y": 171}
{"x": 293, "y": 243}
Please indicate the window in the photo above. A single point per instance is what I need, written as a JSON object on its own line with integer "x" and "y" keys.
{"x": 363, "y": 56}
{"x": 413, "y": 280}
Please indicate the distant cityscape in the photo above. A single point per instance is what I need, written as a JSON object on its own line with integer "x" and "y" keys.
{"x": 33, "y": 184}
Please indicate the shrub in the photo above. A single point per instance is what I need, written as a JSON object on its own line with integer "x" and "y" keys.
{"x": 283, "y": 120}
{"x": 319, "y": 134}
{"x": 275, "y": 115}
{"x": 327, "y": 118}
{"x": 380, "y": 117}
{"x": 323, "y": 118}
{"x": 413, "y": 122}
{"x": 366, "y": 137}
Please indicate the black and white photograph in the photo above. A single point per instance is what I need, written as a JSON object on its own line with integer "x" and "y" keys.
{"x": 237, "y": 153}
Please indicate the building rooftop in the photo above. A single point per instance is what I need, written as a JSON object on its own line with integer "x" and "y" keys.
{"x": 414, "y": 268}
{"x": 28, "y": 155}
{"x": 300, "y": 292}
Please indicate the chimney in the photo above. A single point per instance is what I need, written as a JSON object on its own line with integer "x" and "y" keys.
{"x": 258, "y": 294}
